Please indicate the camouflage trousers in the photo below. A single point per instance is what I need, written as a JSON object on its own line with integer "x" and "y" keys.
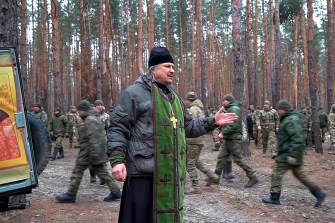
{"x": 193, "y": 163}
{"x": 308, "y": 138}
{"x": 100, "y": 170}
{"x": 332, "y": 135}
{"x": 73, "y": 135}
{"x": 280, "y": 169}
{"x": 232, "y": 148}
{"x": 269, "y": 141}
{"x": 257, "y": 138}
{"x": 59, "y": 140}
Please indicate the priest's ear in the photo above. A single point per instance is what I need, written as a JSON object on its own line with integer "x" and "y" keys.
{"x": 152, "y": 69}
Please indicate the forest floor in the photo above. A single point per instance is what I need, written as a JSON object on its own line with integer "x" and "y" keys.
{"x": 227, "y": 202}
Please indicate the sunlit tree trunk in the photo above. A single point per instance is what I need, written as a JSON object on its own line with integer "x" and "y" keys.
{"x": 305, "y": 53}
{"x": 330, "y": 49}
{"x": 56, "y": 54}
{"x": 151, "y": 25}
{"x": 256, "y": 83}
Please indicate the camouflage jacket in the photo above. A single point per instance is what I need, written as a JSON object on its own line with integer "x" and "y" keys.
{"x": 73, "y": 120}
{"x": 268, "y": 120}
{"x": 41, "y": 115}
{"x": 331, "y": 120}
{"x": 235, "y": 130}
{"x": 196, "y": 111}
{"x": 323, "y": 119}
{"x": 58, "y": 125}
{"x": 306, "y": 121}
{"x": 291, "y": 140}
{"x": 255, "y": 116}
{"x": 105, "y": 119}
{"x": 92, "y": 141}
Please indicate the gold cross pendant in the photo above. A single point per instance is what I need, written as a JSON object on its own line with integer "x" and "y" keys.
{"x": 174, "y": 121}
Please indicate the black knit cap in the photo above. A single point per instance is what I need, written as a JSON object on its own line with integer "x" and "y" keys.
{"x": 159, "y": 55}
{"x": 283, "y": 105}
{"x": 84, "y": 105}
{"x": 229, "y": 97}
{"x": 98, "y": 102}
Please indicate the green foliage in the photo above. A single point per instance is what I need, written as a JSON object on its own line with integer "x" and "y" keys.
{"x": 289, "y": 8}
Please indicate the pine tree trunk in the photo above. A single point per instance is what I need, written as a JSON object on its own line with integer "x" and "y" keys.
{"x": 330, "y": 49}
{"x": 256, "y": 84}
{"x": 312, "y": 81}
{"x": 100, "y": 67}
{"x": 151, "y": 25}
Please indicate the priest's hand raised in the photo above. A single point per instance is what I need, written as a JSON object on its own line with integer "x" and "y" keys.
{"x": 119, "y": 172}
{"x": 222, "y": 118}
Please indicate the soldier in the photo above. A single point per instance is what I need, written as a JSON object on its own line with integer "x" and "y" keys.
{"x": 231, "y": 145}
{"x": 105, "y": 119}
{"x": 249, "y": 124}
{"x": 323, "y": 123}
{"x": 195, "y": 145}
{"x": 291, "y": 145}
{"x": 38, "y": 112}
{"x": 74, "y": 121}
{"x": 268, "y": 122}
{"x": 58, "y": 127}
{"x": 257, "y": 133}
{"x": 306, "y": 125}
{"x": 92, "y": 153}
{"x": 331, "y": 120}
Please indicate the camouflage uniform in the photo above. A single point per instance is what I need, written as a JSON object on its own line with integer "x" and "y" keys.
{"x": 92, "y": 153}
{"x": 268, "y": 120}
{"x": 323, "y": 123}
{"x": 74, "y": 121}
{"x": 58, "y": 127}
{"x": 41, "y": 115}
{"x": 306, "y": 126}
{"x": 257, "y": 133}
{"x": 231, "y": 145}
{"x": 195, "y": 145}
{"x": 331, "y": 121}
{"x": 291, "y": 145}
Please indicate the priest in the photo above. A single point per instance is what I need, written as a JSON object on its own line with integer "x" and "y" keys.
{"x": 146, "y": 143}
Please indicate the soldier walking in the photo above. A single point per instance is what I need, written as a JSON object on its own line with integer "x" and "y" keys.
{"x": 195, "y": 145}
{"x": 231, "y": 145}
{"x": 257, "y": 133}
{"x": 331, "y": 120}
{"x": 74, "y": 121}
{"x": 268, "y": 122}
{"x": 92, "y": 142}
{"x": 58, "y": 127}
{"x": 323, "y": 123}
{"x": 306, "y": 125}
{"x": 291, "y": 146}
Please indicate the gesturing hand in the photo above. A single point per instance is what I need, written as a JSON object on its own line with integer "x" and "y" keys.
{"x": 222, "y": 118}
{"x": 119, "y": 172}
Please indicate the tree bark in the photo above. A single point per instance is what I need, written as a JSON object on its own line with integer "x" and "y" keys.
{"x": 312, "y": 81}
{"x": 330, "y": 49}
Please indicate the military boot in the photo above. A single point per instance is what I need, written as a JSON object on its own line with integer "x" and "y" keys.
{"x": 61, "y": 153}
{"x": 54, "y": 154}
{"x": 273, "y": 199}
{"x": 252, "y": 181}
{"x": 195, "y": 188}
{"x": 113, "y": 196}
{"x": 228, "y": 171}
{"x": 66, "y": 198}
{"x": 212, "y": 179}
{"x": 319, "y": 194}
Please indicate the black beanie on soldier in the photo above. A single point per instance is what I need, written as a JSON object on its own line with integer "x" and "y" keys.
{"x": 283, "y": 105}
{"x": 159, "y": 55}
{"x": 229, "y": 97}
{"x": 84, "y": 105}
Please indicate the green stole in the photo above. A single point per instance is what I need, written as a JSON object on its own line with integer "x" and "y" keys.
{"x": 170, "y": 158}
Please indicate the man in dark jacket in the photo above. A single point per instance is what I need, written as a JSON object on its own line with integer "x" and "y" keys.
{"x": 92, "y": 153}
{"x": 147, "y": 145}
{"x": 231, "y": 145}
{"x": 291, "y": 146}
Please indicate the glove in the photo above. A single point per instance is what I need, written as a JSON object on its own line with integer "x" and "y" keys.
{"x": 292, "y": 161}
{"x": 259, "y": 128}
{"x": 217, "y": 145}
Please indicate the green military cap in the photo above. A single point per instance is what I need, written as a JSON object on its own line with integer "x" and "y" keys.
{"x": 84, "y": 105}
